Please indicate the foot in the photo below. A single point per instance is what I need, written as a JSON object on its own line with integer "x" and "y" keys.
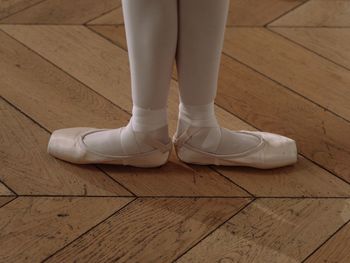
{"x": 200, "y": 140}
{"x": 143, "y": 142}
{"x": 77, "y": 145}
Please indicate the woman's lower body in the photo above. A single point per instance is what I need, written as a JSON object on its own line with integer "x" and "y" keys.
{"x": 192, "y": 33}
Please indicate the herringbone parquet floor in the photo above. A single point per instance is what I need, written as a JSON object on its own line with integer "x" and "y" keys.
{"x": 285, "y": 69}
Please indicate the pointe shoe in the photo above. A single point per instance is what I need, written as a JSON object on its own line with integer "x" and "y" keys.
{"x": 68, "y": 145}
{"x": 272, "y": 151}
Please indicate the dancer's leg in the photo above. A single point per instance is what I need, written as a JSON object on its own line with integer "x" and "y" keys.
{"x": 201, "y": 34}
{"x": 151, "y": 33}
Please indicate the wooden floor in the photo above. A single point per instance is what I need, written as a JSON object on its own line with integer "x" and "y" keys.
{"x": 285, "y": 69}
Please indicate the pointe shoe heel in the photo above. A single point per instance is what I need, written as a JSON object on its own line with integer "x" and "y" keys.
{"x": 273, "y": 151}
{"x": 68, "y": 145}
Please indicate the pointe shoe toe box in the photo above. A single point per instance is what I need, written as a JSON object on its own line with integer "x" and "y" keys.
{"x": 65, "y": 144}
{"x": 277, "y": 151}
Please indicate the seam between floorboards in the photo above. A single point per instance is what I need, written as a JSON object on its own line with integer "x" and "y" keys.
{"x": 21, "y": 10}
{"x": 286, "y": 87}
{"x": 177, "y": 196}
{"x": 326, "y": 241}
{"x": 104, "y": 13}
{"x": 308, "y": 49}
{"x": 85, "y": 85}
{"x": 287, "y": 12}
{"x": 217, "y": 172}
{"x": 14, "y": 198}
{"x": 211, "y": 232}
{"x": 172, "y": 78}
{"x": 250, "y": 67}
{"x": 265, "y": 76}
{"x": 91, "y": 228}
{"x": 48, "y": 131}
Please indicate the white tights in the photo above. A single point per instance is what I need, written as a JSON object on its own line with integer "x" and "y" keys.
{"x": 157, "y": 32}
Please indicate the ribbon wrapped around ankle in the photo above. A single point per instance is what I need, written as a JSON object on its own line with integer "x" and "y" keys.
{"x": 210, "y": 122}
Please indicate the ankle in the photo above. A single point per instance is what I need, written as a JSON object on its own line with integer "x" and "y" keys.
{"x": 197, "y": 115}
{"x": 161, "y": 134}
{"x": 148, "y": 120}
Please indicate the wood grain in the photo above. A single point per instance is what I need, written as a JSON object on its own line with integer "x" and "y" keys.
{"x": 151, "y": 230}
{"x": 105, "y": 69}
{"x": 290, "y": 77}
{"x": 240, "y": 13}
{"x": 43, "y": 225}
{"x": 243, "y": 92}
{"x": 302, "y": 180}
{"x": 291, "y": 65}
{"x": 28, "y": 169}
{"x": 175, "y": 179}
{"x": 332, "y": 43}
{"x": 257, "y": 12}
{"x": 76, "y": 105}
{"x": 273, "y": 230}
{"x": 5, "y": 199}
{"x": 320, "y": 135}
{"x": 116, "y": 34}
{"x": 114, "y": 17}
{"x": 318, "y": 13}
{"x": 111, "y": 62}
{"x": 3, "y": 189}
{"x": 335, "y": 250}
{"x": 8, "y": 7}
{"x": 62, "y": 12}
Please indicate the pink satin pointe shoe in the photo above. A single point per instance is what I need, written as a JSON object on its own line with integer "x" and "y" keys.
{"x": 272, "y": 151}
{"x": 68, "y": 145}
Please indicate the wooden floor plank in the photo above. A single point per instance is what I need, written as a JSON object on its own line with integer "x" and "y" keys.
{"x": 273, "y": 230}
{"x": 251, "y": 94}
{"x": 114, "y": 17}
{"x": 295, "y": 82}
{"x": 301, "y": 70}
{"x": 62, "y": 12}
{"x": 73, "y": 104}
{"x": 318, "y": 13}
{"x": 109, "y": 59}
{"x": 151, "y": 230}
{"x": 335, "y": 250}
{"x": 28, "y": 81}
{"x": 5, "y": 199}
{"x": 28, "y": 169}
{"x": 196, "y": 180}
{"x": 115, "y": 33}
{"x": 332, "y": 43}
{"x": 37, "y": 227}
{"x": 3, "y": 189}
{"x": 320, "y": 136}
{"x": 304, "y": 179}
{"x": 12, "y": 6}
{"x": 113, "y": 83}
{"x": 241, "y": 12}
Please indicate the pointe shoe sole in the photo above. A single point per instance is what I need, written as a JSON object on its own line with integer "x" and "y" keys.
{"x": 273, "y": 151}
{"x": 68, "y": 145}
